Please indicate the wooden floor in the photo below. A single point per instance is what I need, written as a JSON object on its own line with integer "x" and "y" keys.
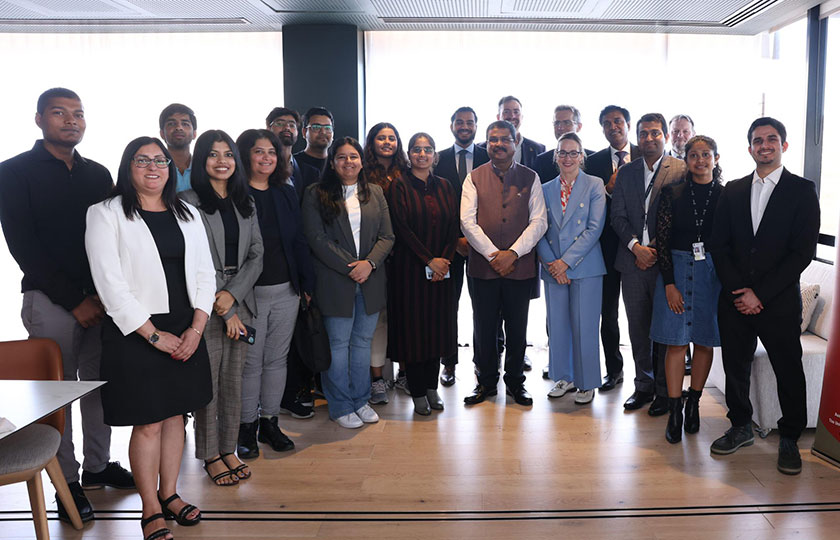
{"x": 496, "y": 470}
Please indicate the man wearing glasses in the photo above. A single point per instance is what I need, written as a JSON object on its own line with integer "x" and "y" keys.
{"x": 502, "y": 227}
{"x": 44, "y": 196}
{"x": 177, "y": 129}
{"x": 318, "y": 131}
{"x": 566, "y": 120}
{"x": 284, "y": 123}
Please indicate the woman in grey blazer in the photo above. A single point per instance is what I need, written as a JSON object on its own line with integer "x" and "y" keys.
{"x": 348, "y": 227}
{"x": 220, "y": 191}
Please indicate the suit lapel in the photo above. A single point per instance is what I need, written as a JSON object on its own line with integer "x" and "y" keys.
{"x": 574, "y": 199}
{"x": 661, "y": 176}
{"x": 217, "y": 229}
{"x": 553, "y": 190}
{"x": 244, "y": 236}
{"x": 775, "y": 203}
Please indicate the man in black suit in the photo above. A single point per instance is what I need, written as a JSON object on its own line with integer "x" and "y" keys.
{"x": 285, "y": 123}
{"x": 765, "y": 234}
{"x": 566, "y": 120}
{"x": 510, "y": 110}
{"x": 615, "y": 121}
{"x": 454, "y": 164}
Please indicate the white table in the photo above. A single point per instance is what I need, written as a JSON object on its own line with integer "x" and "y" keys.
{"x": 25, "y": 402}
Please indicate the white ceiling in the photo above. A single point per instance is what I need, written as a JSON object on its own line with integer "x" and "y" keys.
{"x": 676, "y": 16}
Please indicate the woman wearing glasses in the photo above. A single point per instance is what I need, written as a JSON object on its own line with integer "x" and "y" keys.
{"x": 687, "y": 290}
{"x": 220, "y": 191}
{"x": 151, "y": 265}
{"x": 422, "y": 330}
{"x": 346, "y": 222}
{"x": 572, "y": 263}
{"x": 384, "y": 162}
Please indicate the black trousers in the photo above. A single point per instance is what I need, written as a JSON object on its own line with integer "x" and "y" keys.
{"x": 456, "y": 270}
{"x": 609, "y": 321}
{"x": 298, "y": 376}
{"x": 778, "y": 330}
{"x": 506, "y": 300}
{"x": 422, "y": 376}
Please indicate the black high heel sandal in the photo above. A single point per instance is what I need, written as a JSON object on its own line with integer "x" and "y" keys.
{"x": 181, "y": 517}
{"x": 236, "y": 470}
{"x": 155, "y": 535}
{"x": 221, "y": 475}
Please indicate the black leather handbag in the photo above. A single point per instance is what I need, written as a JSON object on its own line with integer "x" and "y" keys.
{"x": 311, "y": 339}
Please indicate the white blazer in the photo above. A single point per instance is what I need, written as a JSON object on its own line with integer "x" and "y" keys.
{"x": 127, "y": 270}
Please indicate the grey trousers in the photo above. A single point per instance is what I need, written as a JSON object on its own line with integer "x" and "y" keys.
{"x": 637, "y": 288}
{"x": 80, "y": 353}
{"x": 264, "y": 375}
{"x": 217, "y": 425}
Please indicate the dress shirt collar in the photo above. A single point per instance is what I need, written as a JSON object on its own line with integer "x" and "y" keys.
{"x": 626, "y": 148}
{"x": 42, "y": 154}
{"x": 655, "y": 165}
{"x": 772, "y": 177}
{"x": 470, "y": 149}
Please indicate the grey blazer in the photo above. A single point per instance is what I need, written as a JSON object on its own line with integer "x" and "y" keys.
{"x": 628, "y": 205}
{"x": 249, "y": 261}
{"x": 333, "y": 246}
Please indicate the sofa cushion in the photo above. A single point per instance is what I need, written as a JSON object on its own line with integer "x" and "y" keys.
{"x": 824, "y": 275}
{"x": 810, "y": 292}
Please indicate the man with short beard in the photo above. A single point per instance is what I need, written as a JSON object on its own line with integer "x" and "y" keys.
{"x": 454, "y": 164}
{"x": 284, "y": 123}
{"x": 177, "y": 129}
{"x": 318, "y": 130}
{"x": 682, "y": 129}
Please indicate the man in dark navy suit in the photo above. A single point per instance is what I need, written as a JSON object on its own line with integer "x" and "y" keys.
{"x": 765, "y": 234}
{"x": 285, "y": 123}
{"x": 454, "y": 164}
{"x": 566, "y": 120}
{"x": 510, "y": 109}
{"x": 615, "y": 122}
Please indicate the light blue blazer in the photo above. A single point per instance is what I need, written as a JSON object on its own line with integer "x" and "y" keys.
{"x": 574, "y": 236}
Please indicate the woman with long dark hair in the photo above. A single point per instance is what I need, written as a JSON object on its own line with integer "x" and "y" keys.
{"x": 384, "y": 162}
{"x": 422, "y": 330}
{"x": 687, "y": 290}
{"x": 151, "y": 265}
{"x": 348, "y": 227}
{"x": 286, "y": 275}
{"x": 220, "y": 191}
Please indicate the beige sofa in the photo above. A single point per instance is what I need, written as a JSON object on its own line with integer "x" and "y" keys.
{"x": 765, "y": 401}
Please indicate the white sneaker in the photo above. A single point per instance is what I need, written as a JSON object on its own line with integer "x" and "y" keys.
{"x": 367, "y": 415}
{"x": 582, "y": 397}
{"x": 561, "y": 388}
{"x": 349, "y": 421}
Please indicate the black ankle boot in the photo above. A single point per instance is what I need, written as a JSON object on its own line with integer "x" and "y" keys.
{"x": 270, "y": 433}
{"x": 692, "y": 411}
{"x": 246, "y": 446}
{"x": 673, "y": 432}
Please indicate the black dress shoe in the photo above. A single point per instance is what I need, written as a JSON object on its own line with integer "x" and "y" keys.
{"x": 673, "y": 431}
{"x": 82, "y": 504}
{"x": 113, "y": 475}
{"x": 520, "y": 396}
{"x": 545, "y": 373}
{"x": 447, "y": 376}
{"x": 790, "y": 462}
{"x": 638, "y": 400}
{"x": 479, "y": 394}
{"x": 659, "y": 406}
{"x": 526, "y": 363}
{"x": 246, "y": 444}
{"x": 270, "y": 433}
{"x": 692, "y": 411}
{"x": 610, "y": 380}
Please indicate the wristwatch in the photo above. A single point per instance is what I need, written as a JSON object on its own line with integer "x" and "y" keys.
{"x": 372, "y": 264}
{"x": 154, "y": 337}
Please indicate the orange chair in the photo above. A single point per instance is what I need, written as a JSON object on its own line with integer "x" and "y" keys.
{"x": 24, "y": 454}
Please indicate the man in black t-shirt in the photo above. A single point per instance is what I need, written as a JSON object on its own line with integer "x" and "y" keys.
{"x": 44, "y": 196}
{"x": 318, "y": 130}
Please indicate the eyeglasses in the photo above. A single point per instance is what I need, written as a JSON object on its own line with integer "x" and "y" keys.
{"x": 320, "y": 127}
{"x": 284, "y": 123}
{"x": 144, "y": 162}
{"x": 500, "y": 140}
{"x": 420, "y": 149}
{"x": 573, "y": 154}
{"x": 566, "y": 123}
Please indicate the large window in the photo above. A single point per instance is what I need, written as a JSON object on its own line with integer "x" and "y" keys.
{"x": 125, "y": 80}
{"x": 830, "y": 181}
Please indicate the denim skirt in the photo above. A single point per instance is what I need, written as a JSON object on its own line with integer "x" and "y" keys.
{"x": 700, "y": 288}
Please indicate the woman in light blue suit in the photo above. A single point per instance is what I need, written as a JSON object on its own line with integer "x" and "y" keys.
{"x": 572, "y": 263}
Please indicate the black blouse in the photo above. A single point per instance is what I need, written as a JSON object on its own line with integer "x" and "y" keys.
{"x": 682, "y": 207}
{"x": 228, "y": 215}
{"x": 275, "y": 266}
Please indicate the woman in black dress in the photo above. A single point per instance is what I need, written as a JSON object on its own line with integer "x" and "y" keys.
{"x": 422, "y": 330}
{"x": 151, "y": 265}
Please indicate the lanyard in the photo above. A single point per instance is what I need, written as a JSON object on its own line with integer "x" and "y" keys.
{"x": 647, "y": 193}
{"x": 698, "y": 219}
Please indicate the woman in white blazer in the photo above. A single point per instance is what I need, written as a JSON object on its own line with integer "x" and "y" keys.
{"x": 151, "y": 265}
{"x": 573, "y": 266}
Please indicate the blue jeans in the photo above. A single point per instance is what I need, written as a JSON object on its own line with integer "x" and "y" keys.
{"x": 347, "y": 382}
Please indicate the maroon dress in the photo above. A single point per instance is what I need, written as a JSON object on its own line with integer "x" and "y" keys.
{"x": 421, "y": 313}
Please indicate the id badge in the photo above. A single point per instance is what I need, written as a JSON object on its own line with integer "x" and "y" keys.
{"x": 699, "y": 251}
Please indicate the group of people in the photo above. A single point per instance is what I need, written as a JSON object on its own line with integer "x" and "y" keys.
{"x": 186, "y": 277}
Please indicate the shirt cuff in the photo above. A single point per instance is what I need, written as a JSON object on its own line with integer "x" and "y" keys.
{"x": 633, "y": 242}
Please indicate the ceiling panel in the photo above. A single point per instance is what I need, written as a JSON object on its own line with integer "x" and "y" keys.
{"x": 671, "y": 16}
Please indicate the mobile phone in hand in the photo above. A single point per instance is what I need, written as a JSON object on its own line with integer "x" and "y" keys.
{"x": 249, "y": 335}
